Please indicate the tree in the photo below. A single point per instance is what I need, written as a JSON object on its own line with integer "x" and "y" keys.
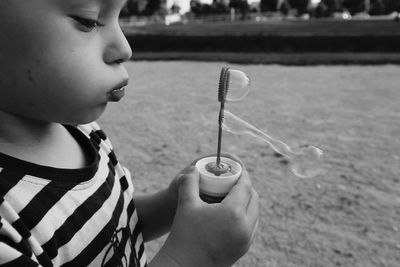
{"x": 354, "y": 6}
{"x": 268, "y": 5}
{"x": 240, "y": 5}
{"x": 321, "y": 10}
{"x": 284, "y": 7}
{"x": 392, "y": 5}
{"x": 332, "y": 6}
{"x": 175, "y": 8}
{"x": 130, "y": 8}
{"x": 152, "y": 7}
{"x": 377, "y": 7}
{"x": 217, "y": 7}
{"x": 195, "y": 7}
{"x": 300, "y": 5}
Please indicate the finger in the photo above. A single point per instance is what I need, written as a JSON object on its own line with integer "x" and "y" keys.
{"x": 226, "y": 155}
{"x": 233, "y": 157}
{"x": 188, "y": 168}
{"x": 253, "y": 212}
{"x": 253, "y": 207}
{"x": 253, "y": 233}
{"x": 189, "y": 186}
{"x": 240, "y": 193}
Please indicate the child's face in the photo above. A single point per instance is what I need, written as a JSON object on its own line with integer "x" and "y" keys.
{"x": 59, "y": 59}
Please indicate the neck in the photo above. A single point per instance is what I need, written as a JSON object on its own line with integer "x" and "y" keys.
{"x": 17, "y": 130}
{"x": 44, "y": 143}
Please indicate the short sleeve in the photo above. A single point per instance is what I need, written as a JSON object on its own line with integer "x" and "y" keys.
{"x": 14, "y": 250}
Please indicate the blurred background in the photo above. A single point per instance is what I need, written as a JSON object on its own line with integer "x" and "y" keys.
{"x": 264, "y": 31}
{"x": 189, "y": 10}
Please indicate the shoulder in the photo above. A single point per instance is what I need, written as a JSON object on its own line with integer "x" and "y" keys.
{"x": 99, "y": 138}
{"x": 96, "y": 134}
{"x": 92, "y": 128}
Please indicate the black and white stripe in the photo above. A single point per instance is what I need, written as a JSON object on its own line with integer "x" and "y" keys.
{"x": 87, "y": 220}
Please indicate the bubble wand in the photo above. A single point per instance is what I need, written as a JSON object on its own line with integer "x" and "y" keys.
{"x": 219, "y": 167}
{"x": 218, "y": 174}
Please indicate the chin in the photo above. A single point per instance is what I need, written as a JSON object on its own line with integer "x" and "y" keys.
{"x": 88, "y": 117}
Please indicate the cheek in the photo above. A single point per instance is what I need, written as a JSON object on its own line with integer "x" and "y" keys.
{"x": 51, "y": 74}
{"x": 66, "y": 68}
{"x": 71, "y": 89}
{"x": 69, "y": 93}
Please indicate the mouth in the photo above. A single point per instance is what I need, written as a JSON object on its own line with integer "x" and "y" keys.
{"x": 118, "y": 92}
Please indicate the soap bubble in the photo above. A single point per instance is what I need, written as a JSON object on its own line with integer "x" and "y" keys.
{"x": 304, "y": 161}
{"x": 238, "y": 85}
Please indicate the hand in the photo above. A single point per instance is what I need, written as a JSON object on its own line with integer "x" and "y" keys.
{"x": 157, "y": 210}
{"x": 212, "y": 234}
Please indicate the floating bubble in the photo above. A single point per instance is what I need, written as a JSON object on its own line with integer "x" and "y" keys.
{"x": 304, "y": 161}
{"x": 238, "y": 85}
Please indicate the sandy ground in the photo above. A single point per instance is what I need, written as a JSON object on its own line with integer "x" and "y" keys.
{"x": 348, "y": 217}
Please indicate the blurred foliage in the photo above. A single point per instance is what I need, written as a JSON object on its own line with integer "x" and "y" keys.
{"x": 268, "y": 5}
{"x": 241, "y": 6}
{"x": 325, "y": 8}
{"x": 354, "y": 6}
{"x": 300, "y": 5}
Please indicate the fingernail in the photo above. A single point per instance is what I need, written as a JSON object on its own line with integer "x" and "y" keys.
{"x": 190, "y": 169}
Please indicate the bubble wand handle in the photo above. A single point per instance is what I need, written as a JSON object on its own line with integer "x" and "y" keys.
{"x": 220, "y": 122}
{"x": 222, "y": 91}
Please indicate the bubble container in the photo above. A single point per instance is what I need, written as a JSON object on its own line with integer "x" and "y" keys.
{"x": 215, "y": 186}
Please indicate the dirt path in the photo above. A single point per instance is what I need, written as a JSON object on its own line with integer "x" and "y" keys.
{"x": 348, "y": 217}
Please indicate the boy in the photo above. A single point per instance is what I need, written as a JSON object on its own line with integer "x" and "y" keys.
{"x": 65, "y": 200}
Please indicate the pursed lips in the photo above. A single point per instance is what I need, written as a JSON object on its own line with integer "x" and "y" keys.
{"x": 118, "y": 92}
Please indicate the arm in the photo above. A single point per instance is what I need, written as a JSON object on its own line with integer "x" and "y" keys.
{"x": 156, "y": 212}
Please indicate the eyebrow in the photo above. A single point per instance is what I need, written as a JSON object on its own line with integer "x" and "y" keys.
{"x": 112, "y": 2}
{"x": 107, "y": 3}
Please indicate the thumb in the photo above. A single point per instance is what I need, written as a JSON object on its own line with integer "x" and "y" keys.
{"x": 189, "y": 186}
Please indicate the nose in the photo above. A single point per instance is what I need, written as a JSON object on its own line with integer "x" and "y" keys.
{"x": 118, "y": 49}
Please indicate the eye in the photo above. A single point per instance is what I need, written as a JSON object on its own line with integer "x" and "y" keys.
{"x": 86, "y": 24}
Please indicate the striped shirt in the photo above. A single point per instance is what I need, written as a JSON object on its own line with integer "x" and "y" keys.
{"x": 69, "y": 217}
